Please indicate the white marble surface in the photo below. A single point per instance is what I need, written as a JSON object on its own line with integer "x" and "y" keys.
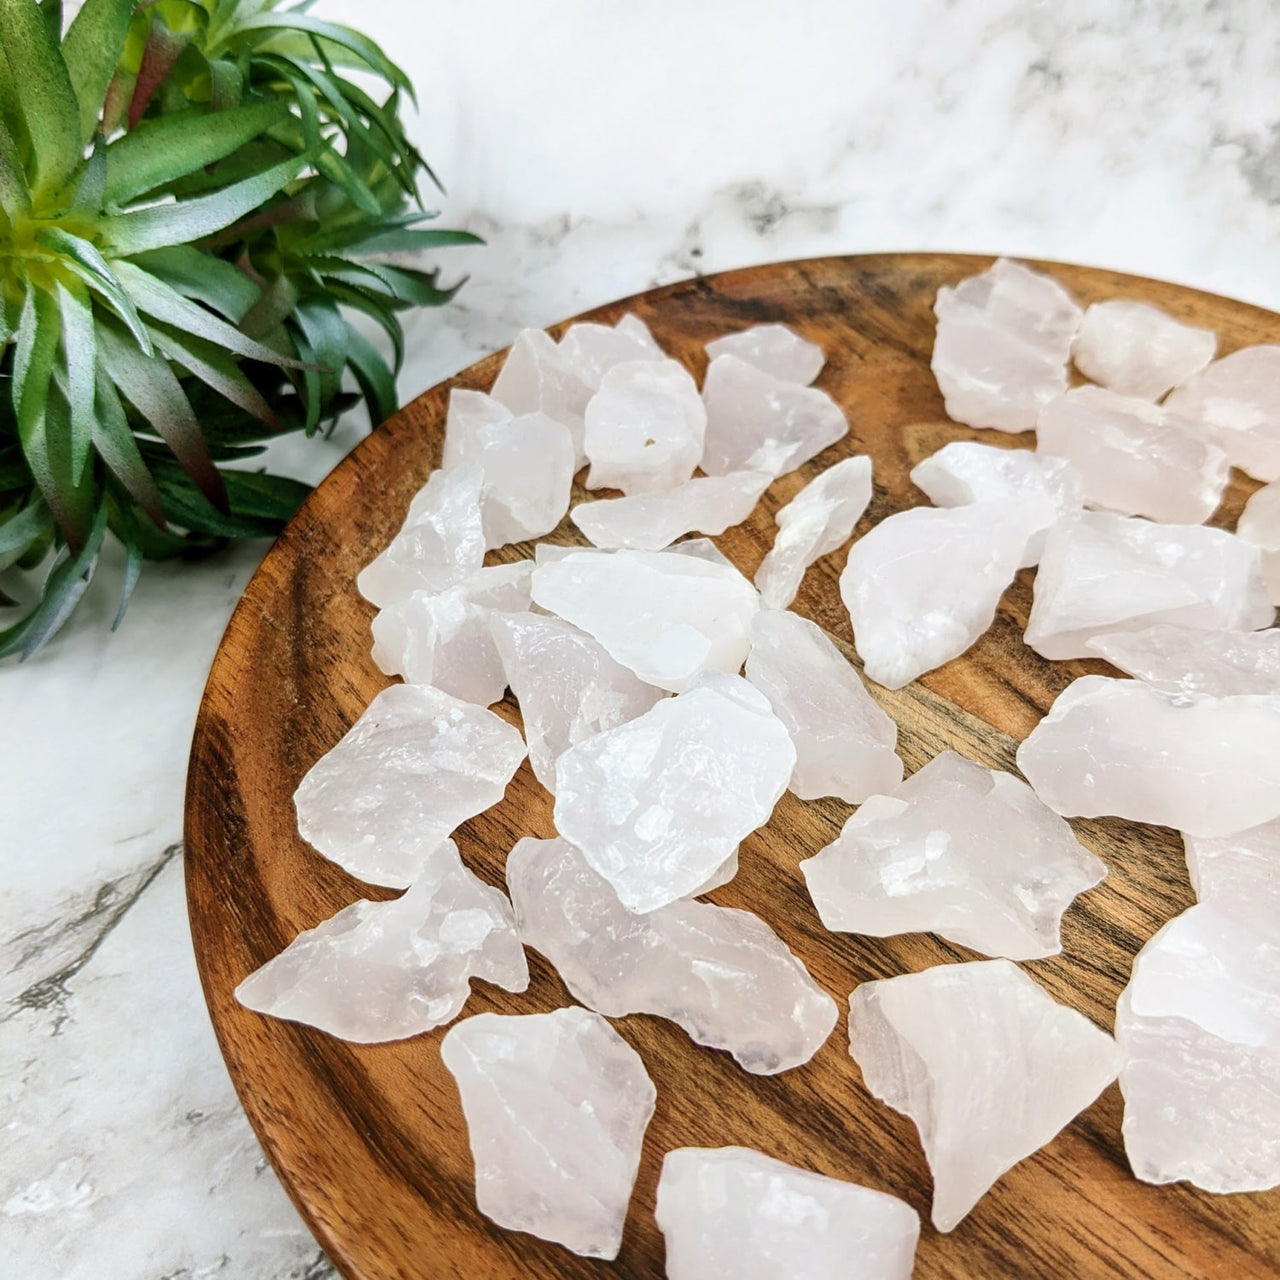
{"x": 602, "y": 147}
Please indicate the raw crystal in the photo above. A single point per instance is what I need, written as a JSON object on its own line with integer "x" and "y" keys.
{"x": 1259, "y": 523}
{"x": 923, "y": 585}
{"x": 593, "y": 349}
{"x": 468, "y": 413}
{"x": 734, "y": 1212}
{"x": 568, "y": 687}
{"x": 722, "y": 975}
{"x": 415, "y": 766}
{"x": 1207, "y": 766}
{"x": 1139, "y": 350}
{"x": 658, "y": 804}
{"x": 386, "y": 970}
{"x": 961, "y": 851}
{"x": 1107, "y": 573}
{"x": 444, "y": 640}
{"x": 644, "y": 427}
{"x": 651, "y": 521}
{"x": 985, "y": 1062}
{"x": 665, "y": 615}
{"x": 1003, "y": 344}
{"x": 816, "y": 521}
{"x": 1242, "y": 868}
{"x": 440, "y": 543}
{"x": 537, "y": 377}
{"x": 1135, "y": 457}
{"x": 556, "y": 1107}
{"x": 775, "y": 349}
{"x": 756, "y": 422}
{"x": 1187, "y": 660}
{"x": 844, "y": 743}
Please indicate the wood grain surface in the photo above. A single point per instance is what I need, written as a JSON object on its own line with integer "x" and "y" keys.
{"x": 370, "y": 1140}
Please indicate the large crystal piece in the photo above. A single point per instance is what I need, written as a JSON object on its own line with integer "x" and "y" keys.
{"x": 985, "y": 1062}
{"x": 844, "y": 742}
{"x": 1259, "y": 523}
{"x": 1207, "y": 766}
{"x": 756, "y": 422}
{"x": 664, "y": 615}
{"x": 1187, "y": 660}
{"x": 961, "y": 851}
{"x": 593, "y": 349}
{"x": 816, "y": 521}
{"x": 568, "y": 687}
{"x": 1106, "y": 573}
{"x": 1243, "y": 867}
{"x": 722, "y": 975}
{"x": 556, "y": 1107}
{"x": 778, "y": 351}
{"x": 1138, "y": 350}
{"x": 386, "y": 970}
{"x": 412, "y": 768}
{"x": 537, "y": 377}
{"x": 658, "y": 804}
{"x": 1133, "y": 456}
{"x": 468, "y": 413}
{"x": 732, "y": 1212}
{"x": 1003, "y": 344}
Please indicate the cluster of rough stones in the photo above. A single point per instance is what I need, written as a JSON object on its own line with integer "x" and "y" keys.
{"x": 625, "y": 659}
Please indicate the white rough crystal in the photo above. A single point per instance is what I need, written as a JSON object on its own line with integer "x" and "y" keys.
{"x": 1242, "y": 868}
{"x": 775, "y": 349}
{"x": 468, "y": 413}
{"x": 537, "y": 377}
{"x": 1139, "y": 350}
{"x": 386, "y": 970}
{"x": 1187, "y": 660}
{"x": 1133, "y": 456}
{"x": 1259, "y": 523}
{"x": 1237, "y": 399}
{"x": 568, "y": 687}
{"x": 1105, "y": 573}
{"x": 556, "y": 1107}
{"x": 665, "y": 615}
{"x": 416, "y": 765}
{"x": 924, "y": 584}
{"x": 844, "y": 742}
{"x": 814, "y": 523}
{"x": 644, "y": 427}
{"x": 756, "y": 422}
{"x": 962, "y": 851}
{"x": 722, "y": 975}
{"x": 658, "y": 804}
{"x": 1207, "y": 766}
{"x": 985, "y": 1062}
{"x": 652, "y": 521}
{"x": 593, "y": 349}
{"x": 732, "y": 1212}
{"x": 1003, "y": 344}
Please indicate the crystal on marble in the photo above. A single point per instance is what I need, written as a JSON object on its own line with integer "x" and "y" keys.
{"x": 844, "y": 742}
{"x": 593, "y": 349}
{"x": 1002, "y": 347}
{"x": 1241, "y": 867}
{"x": 1188, "y": 660}
{"x": 556, "y": 1106}
{"x": 1138, "y": 350}
{"x": 665, "y": 615}
{"x": 537, "y": 377}
{"x": 756, "y": 422}
{"x": 722, "y": 975}
{"x": 814, "y": 523}
{"x": 985, "y": 1062}
{"x": 468, "y": 413}
{"x": 961, "y": 851}
{"x": 412, "y": 768}
{"x": 658, "y": 804}
{"x": 386, "y": 970}
{"x": 777, "y": 350}
{"x": 1259, "y": 523}
{"x": 732, "y": 1212}
{"x": 1208, "y": 766}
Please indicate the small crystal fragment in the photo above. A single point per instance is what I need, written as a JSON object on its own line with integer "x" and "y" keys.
{"x": 756, "y": 422}
{"x": 556, "y": 1107}
{"x": 732, "y": 1212}
{"x": 1207, "y": 766}
{"x": 1136, "y": 349}
{"x": 985, "y": 1062}
{"x": 961, "y": 851}
{"x": 416, "y": 765}
{"x": 1187, "y": 660}
{"x": 593, "y": 349}
{"x": 722, "y": 975}
{"x": 778, "y": 351}
{"x": 1259, "y": 523}
{"x": 386, "y": 970}
{"x": 468, "y": 412}
{"x": 538, "y": 378}
{"x": 658, "y": 804}
{"x": 816, "y": 521}
{"x": 1243, "y": 867}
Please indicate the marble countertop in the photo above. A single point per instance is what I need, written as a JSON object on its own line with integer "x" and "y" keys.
{"x": 601, "y": 148}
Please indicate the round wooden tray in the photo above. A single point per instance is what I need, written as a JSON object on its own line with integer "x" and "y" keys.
{"x": 370, "y": 1140}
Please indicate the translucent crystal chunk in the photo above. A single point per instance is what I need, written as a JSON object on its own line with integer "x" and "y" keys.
{"x": 778, "y": 351}
{"x": 1259, "y": 523}
{"x": 1187, "y": 660}
{"x": 1242, "y": 868}
{"x": 468, "y": 413}
{"x": 537, "y": 377}
{"x": 591, "y": 350}
{"x": 1139, "y": 350}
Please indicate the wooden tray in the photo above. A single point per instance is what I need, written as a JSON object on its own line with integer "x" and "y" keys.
{"x": 370, "y": 1140}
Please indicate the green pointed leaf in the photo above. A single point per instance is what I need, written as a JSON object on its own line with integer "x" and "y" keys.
{"x": 376, "y": 309}
{"x": 88, "y": 198}
{"x": 308, "y": 382}
{"x": 326, "y": 333}
{"x": 118, "y": 448}
{"x": 213, "y": 367}
{"x": 375, "y": 379}
{"x": 188, "y": 509}
{"x": 23, "y": 528}
{"x": 409, "y": 241}
{"x": 278, "y": 299}
{"x": 80, "y": 356}
{"x": 15, "y": 197}
{"x": 267, "y": 497}
{"x": 226, "y": 85}
{"x": 163, "y": 49}
{"x": 203, "y": 277}
{"x": 92, "y": 48}
{"x": 126, "y": 527}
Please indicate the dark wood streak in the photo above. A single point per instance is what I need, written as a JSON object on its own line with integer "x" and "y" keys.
{"x": 370, "y": 1141}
